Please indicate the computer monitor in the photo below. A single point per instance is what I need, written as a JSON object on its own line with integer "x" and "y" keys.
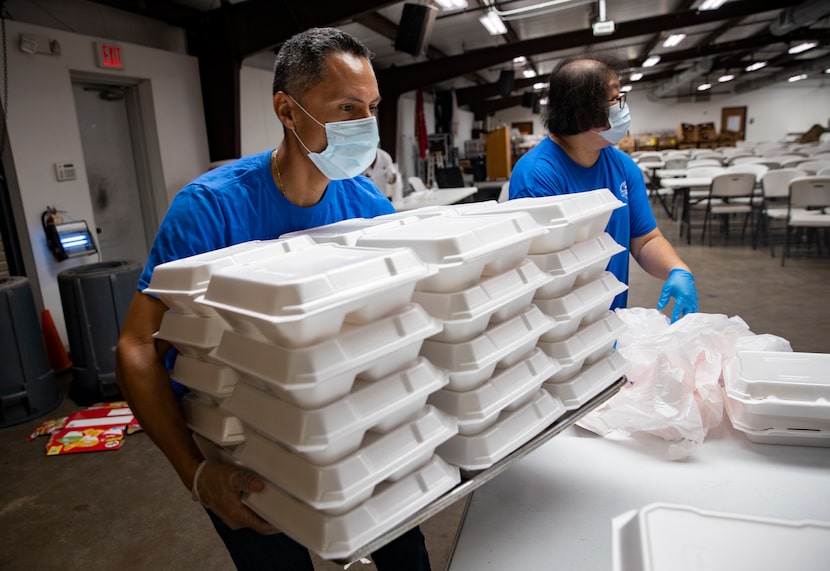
{"x": 75, "y": 238}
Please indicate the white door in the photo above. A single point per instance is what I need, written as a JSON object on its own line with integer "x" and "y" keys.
{"x": 110, "y": 159}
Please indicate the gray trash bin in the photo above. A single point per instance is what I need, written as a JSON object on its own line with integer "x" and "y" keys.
{"x": 95, "y": 299}
{"x": 28, "y": 388}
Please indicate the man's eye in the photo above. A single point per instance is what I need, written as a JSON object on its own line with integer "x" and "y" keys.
{"x": 347, "y": 107}
{"x": 373, "y": 109}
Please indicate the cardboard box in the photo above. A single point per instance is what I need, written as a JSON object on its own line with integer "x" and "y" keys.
{"x": 706, "y": 133}
{"x": 666, "y": 143}
{"x": 627, "y": 144}
{"x": 687, "y": 133}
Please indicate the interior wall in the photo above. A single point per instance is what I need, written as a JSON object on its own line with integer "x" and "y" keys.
{"x": 43, "y": 129}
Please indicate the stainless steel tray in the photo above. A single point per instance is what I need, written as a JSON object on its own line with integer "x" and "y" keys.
{"x": 472, "y": 480}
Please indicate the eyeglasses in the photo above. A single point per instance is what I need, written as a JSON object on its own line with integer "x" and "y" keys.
{"x": 619, "y": 98}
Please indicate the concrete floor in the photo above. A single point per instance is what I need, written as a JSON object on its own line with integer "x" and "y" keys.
{"x": 127, "y": 510}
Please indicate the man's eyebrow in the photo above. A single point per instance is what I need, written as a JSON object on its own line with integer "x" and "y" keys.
{"x": 357, "y": 99}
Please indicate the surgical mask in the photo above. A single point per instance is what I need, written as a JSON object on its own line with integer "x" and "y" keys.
{"x": 620, "y": 121}
{"x": 352, "y": 146}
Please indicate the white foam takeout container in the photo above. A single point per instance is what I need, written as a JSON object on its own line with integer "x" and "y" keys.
{"x": 318, "y": 374}
{"x": 180, "y": 282}
{"x": 668, "y": 537}
{"x": 193, "y": 335}
{"x": 329, "y": 433}
{"x": 512, "y": 429}
{"x": 764, "y": 429}
{"x": 203, "y": 377}
{"x": 761, "y": 414}
{"x": 590, "y": 380}
{"x": 205, "y": 417}
{"x": 337, "y": 536}
{"x": 470, "y": 363}
{"x": 567, "y": 218}
{"x": 783, "y": 375}
{"x": 341, "y": 486}
{"x": 466, "y": 313}
{"x": 585, "y": 304}
{"x": 439, "y": 210}
{"x": 306, "y": 296}
{"x": 461, "y": 248}
{"x": 579, "y": 264}
{"x": 586, "y": 346}
{"x": 508, "y": 388}
{"x": 346, "y": 232}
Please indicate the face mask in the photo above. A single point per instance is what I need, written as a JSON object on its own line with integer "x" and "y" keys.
{"x": 620, "y": 121}
{"x": 352, "y": 146}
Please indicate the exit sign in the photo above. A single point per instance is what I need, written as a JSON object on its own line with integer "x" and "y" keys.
{"x": 108, "y": 56}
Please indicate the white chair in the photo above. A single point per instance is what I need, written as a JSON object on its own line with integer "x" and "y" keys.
{"x": 721, "y": 201}
{"x": 504, "y": 193}
{"x": 775, "y": 185}
{"x": 417, "y": 184}
{"x": 676, "y": 162}
{"x": 695, "y": 162}
{"x": 808, "y": 208}
{"x": 813, "y": 166}
{"x": 710, "y": 155}
{"x": 758, "y": 169}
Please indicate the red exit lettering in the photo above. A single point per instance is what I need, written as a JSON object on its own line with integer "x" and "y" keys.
{"x": 111, "y": 56}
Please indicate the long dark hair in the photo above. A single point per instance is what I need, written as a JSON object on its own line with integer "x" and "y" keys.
{"x": 578, "y": 95}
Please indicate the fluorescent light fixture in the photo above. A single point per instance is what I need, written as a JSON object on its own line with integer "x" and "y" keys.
{"x": 493, "y": 23}
{"x": 626, "y": 88}
{"x": 798, "y": 77}
{"x": 704, "y": 86}
{"x": 802, "y": 47}
{"x": 673, "y": 40}
{"x": 756, "y": 66}
{"x": 726, "y": 77}
{"x": 635, "y": 76}
{"x": 711, "y": 5}
{"x": 528, "y": 73}
{"x": 651, "y": 61}
{"x": 540, "y": 85}
{"x": 827, "y": 70}
{"x": 521, "y": 60}
{"x": 543, "y": 101}
{"x": 452, "y": 4}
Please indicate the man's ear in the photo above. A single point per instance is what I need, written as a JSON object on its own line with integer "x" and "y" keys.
{"x": 284, "y": 110}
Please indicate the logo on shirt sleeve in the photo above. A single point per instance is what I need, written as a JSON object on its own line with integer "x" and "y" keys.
{"x": 624, "y": 191}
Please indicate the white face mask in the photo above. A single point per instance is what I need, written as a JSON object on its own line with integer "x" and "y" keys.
{"x": 352, "y": 146}
{"x": 620, "y": 121}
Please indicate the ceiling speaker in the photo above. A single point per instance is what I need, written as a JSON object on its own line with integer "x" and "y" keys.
{"x": 415, "y": 28}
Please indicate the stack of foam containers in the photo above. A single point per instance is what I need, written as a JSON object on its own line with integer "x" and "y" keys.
{"x": 780, "y": 397}
{"x": 574, "y": 251}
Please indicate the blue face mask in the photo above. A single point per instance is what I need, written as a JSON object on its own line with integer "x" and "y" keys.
{"x": 352, "y": 146}
{"x": 620, "y": 121}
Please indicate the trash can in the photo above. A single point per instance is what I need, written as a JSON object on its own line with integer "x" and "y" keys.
{"x": 28, "y": 388}
{"x": 95, "y": 299}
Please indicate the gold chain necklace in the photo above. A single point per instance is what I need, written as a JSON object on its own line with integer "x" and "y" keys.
{"x": 277, "y": 168}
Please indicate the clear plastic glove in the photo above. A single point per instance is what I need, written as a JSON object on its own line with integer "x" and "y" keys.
{"x": 220, "y": 487}
{"x": 681, "y": 286}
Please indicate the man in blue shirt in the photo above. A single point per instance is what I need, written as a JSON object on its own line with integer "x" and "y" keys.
{"x": 325, "y": 95}
{"x": 587, "y": 115}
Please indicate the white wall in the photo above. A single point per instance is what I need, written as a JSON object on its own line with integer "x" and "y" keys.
{"x": 43, "y": 129}
{"x": 260, "y": 128}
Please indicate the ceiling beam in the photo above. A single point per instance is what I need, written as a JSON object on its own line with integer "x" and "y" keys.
{"x": 470, "y": 95}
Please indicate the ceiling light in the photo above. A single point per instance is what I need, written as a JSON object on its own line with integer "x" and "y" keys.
{"x": 711, "y": 4}
{"x": 636, "y": 76}
{"x": 673, "y": 40}
{"x": 797, "y": 77}
{"x": 528, "y": 73}
{"x": 756, "y": 66}
{"x": 704, "y": 86}
{"x": 543, "y": 101}
{"x": 651, "y": 61}
{"x": 626, "y": 88}
{"x": 540, "y": 85}
{"x": 802, "y": 47}
{"x": 521, "y": 60}
{"x": 827, "y": 70}
{"x": 452, "y": 4}
{"x": 726, "y": 77}
{"x": 493, "y": 23}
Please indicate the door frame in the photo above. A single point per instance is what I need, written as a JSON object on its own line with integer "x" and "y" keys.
{"x": 726, "y": 113}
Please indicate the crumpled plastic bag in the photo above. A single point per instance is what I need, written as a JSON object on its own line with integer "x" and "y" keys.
{"x": 673, "y": 388}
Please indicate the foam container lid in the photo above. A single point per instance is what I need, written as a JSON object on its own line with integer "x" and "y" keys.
{"x": 584, "y": 304}
{"x": 341, "y": 486}
{"x": 178, "y": 282}
{"x": 191, "y": 333}
{"x": 668, "y": 537}
{"x": 582, "y": 262}
{"x": 337, "y": 536}
{"x": 305, "y": 296}
{"x": 210, "y": 379}
{"x": 470, "y": 363}
{"x": 567, "y": 218}
{"x": 586, "y": 346}
{"x": 466, "y": 313}
{"x": 206, "y": 418}
{"x": 787, "y": 376}
{"x": 438, "y": 210}
{"x": 327, "y": 434}
{"x": 477, "y": 408}
{"x": 460, "y": 247}
{"x": 318, "y": 374}
{"x": 592, "y": 379}
{"x": 773, "y": 413}
{"x": 346, "y": 232}
{"x": 511, "y": 430}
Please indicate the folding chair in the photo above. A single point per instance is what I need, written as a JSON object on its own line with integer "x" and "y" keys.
{"x": 775, "y": 185}
{"x": 722, "y": 201}
{"x": 808, "y": 208}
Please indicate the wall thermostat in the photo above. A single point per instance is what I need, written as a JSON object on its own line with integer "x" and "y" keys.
{"x": 65, "y": 171}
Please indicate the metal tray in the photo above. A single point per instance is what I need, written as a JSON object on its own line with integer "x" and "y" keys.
{"x": 473, "y": 480}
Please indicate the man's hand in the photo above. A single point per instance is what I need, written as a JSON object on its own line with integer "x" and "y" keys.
{"x": 220, "y": 487}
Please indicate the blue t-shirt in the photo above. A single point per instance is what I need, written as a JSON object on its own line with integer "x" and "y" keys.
{"x": 547, "y": 170}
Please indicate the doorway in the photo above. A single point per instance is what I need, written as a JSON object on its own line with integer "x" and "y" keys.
{"x": 123, "y": 206}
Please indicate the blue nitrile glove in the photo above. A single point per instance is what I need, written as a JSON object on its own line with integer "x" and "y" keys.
{"x": 680, "y": 286}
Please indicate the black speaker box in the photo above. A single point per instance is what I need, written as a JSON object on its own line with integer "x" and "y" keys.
{"x": 505, "y": 85}
{"x": 415, "y": 28}
{"x": 527, "y": 99}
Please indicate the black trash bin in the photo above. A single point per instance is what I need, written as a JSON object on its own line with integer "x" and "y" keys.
{"x": 95, "y": 299}
{"x": 28, "y": 388}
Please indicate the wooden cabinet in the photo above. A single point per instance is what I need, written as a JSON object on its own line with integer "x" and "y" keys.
{"x": 498, "y": 154}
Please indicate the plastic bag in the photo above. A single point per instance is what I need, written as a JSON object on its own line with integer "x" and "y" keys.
{"x": 674, "y": 382}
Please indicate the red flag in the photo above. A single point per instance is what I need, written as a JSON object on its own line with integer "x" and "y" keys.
{"x": 420, "y": 124}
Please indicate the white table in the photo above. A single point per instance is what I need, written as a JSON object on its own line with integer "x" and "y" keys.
{"x": 440, "y": 197}
{"x": 553, "y": 508}
{"x": 685, "y": 186}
